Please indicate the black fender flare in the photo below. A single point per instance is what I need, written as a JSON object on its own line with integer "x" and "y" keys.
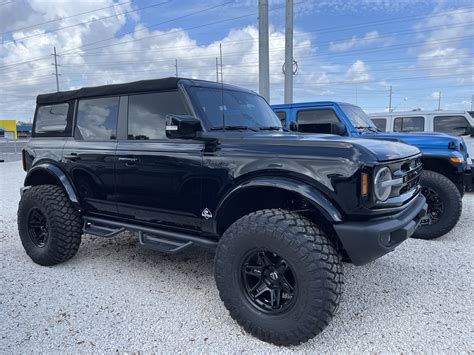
{"x": 60, "y": 176}
{"x": 317, "y": 198}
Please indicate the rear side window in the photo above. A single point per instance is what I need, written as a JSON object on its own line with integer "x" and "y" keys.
{"x": 380, "y": 123}
{"x": 452, "y": 125}
{"x": 51, "y": 119}
{"x": 409, "y": 124}
{"x": 311, "y": 120}
{"x": 282, "y": 117}
{"x": 147, "y": 113}
{"x": 97, "y": 119}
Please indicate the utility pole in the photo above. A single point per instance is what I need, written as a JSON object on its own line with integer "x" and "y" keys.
{"x": 222, "y": 71}
{"x": 289, "y": 52}
{"x": 56, "y": 68}
{"x": 390, "y": 100}
{"x": 439, "y": 100}
{"x": 263, "y": 50}
{"x": 217, "y": 70}
{"x": 176, "y": 66}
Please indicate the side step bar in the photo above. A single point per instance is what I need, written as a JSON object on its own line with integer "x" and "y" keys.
{"x": 162, "y": 240}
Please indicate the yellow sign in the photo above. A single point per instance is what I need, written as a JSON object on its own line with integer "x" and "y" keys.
{"x": 9, "y": 126}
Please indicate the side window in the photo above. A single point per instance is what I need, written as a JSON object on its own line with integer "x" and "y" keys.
{"x": 97, "y": 119}
{"x": 452, "y": 125}
{"x": 409, "y": 124}
{"x": 51, "y": 119}
{"x": 316, "y": 121}
{"x": 282, "y": 117}
{"x": 380, "y": 123}
{"x": 147, "y": 113}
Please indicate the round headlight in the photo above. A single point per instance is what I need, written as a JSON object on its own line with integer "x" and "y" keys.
{"x": 382, "y": 191}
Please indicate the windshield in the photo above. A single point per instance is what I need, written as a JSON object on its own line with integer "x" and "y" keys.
{"x": 227, "y": 109}
{"x": 358, "y": 117}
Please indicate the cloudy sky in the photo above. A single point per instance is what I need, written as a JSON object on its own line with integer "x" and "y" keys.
{"x": 346, "y": 50}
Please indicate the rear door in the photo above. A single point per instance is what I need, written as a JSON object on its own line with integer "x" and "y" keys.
{"x": 89, "y": 157}
{"x": 158, "y": 179}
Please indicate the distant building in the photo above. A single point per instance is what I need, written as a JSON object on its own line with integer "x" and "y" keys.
{"x": 9, "y": 128}
{"x": 23, "y": 131}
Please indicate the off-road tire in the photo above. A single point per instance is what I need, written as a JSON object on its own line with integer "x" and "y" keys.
{"x": 452, "y": 205}
{"x": 63, "y": 222}
{"x": 309, "y": 253}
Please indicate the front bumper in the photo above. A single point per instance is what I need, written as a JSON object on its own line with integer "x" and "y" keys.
{"x": 368, "y": 240}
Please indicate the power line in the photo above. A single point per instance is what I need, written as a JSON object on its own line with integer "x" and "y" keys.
{"x": 321, "y": 31}
{"x": 151, "y": 26}
{"x": 385, "y": 35}
{"x": 66, "y": 17}
{"x": 87, "y": 22}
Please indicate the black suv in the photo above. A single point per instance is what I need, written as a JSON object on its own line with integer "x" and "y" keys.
{"x": 188, "y": 162}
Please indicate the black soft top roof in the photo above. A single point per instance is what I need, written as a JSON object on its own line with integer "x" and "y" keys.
{"x": 126, "y": 88}
{"x": 106, "y": 90}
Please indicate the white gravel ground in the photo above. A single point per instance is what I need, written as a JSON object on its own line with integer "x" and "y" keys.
{"x": 116, "y": 296}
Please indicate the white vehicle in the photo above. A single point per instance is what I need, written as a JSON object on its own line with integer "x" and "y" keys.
{"x": 454, "y": 123}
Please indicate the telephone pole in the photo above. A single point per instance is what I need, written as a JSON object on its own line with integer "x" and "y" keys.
{"x": 222, "y": 70}
{"x": 439, "y": 100}
{"x": 390, "y": 100}
{"x": 56, "y": 68}
{"x": 289, "y": 52}
{"x": 263, "y": 50}
{"x": 217, "y": 70}
{"x": 176, "y": 66}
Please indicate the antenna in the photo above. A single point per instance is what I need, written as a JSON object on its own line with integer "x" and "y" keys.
{"x": 222, "y": 87}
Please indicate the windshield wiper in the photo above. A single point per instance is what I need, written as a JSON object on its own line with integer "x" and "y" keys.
{"x": 270, "y": 128}
{"x": 232, "y": 128}
{"x": 369, "y": 129}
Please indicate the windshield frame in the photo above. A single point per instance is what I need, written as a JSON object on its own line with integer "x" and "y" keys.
{"x": 365, "y": 122}
{"x": 207, "y": 125}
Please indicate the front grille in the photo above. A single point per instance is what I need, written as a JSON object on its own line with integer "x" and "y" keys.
{"x": 410, "y": 172}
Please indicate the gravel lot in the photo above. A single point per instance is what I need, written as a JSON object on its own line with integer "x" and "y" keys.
{"x": 116, "y": 296}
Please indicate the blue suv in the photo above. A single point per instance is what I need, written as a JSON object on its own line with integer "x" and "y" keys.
{"x": 446, "y": 173}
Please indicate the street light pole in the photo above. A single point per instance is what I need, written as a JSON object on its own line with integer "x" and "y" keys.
{"x": 289, "y": 52}
{"x": 263, "y": 50}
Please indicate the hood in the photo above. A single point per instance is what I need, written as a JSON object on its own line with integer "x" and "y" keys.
{"x": 379, "y": 150}
{"x": 424, "y": 140}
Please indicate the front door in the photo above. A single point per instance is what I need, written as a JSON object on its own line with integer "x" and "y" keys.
{"x": 158, "y": 180}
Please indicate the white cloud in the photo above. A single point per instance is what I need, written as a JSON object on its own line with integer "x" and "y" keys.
{"x": 358, "y": 72}
{"x": 369, "y": 38}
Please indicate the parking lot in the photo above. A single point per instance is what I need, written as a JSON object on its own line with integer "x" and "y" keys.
{"x": 116, "y": 296}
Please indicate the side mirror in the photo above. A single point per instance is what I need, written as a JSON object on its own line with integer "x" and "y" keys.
{"x": 293, "y": 126}
{"x": 338, "y": 128}
{"x": 182, "y": 126}
{"x": 472, "y": 131}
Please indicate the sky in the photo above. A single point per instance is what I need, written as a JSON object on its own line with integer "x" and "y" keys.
{"x": 351, "y": 51}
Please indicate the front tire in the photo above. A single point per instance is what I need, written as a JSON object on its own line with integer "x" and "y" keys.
{"x": 279, "y": 276}
{"x": 50, "y": 227}
{"x": 444, "y": 206}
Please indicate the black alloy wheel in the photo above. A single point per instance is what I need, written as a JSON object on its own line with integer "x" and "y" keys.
{"x": 38, "y": 229}
{"x": 269, "y": 282}
{"x": 435, "y": 206}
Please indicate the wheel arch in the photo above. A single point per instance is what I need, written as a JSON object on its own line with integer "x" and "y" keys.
{"x": 274, "y": 192}
{"x": 50, "y": 174}
{"x": 443, "y": 166}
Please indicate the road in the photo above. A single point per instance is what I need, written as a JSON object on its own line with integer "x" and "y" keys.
{"x": 116, "y": 296}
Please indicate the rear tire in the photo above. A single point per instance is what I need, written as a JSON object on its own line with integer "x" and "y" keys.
{"x": 444, "y": 205}
{"x": 50, "y": 227}
{"x": 278, "y": 250}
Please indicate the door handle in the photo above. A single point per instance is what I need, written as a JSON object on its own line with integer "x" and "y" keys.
{"x": 128, "y": 161}
{"x": 72, "y": 157}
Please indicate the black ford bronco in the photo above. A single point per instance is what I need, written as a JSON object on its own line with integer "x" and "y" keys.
{"x": 188, "y": 162}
